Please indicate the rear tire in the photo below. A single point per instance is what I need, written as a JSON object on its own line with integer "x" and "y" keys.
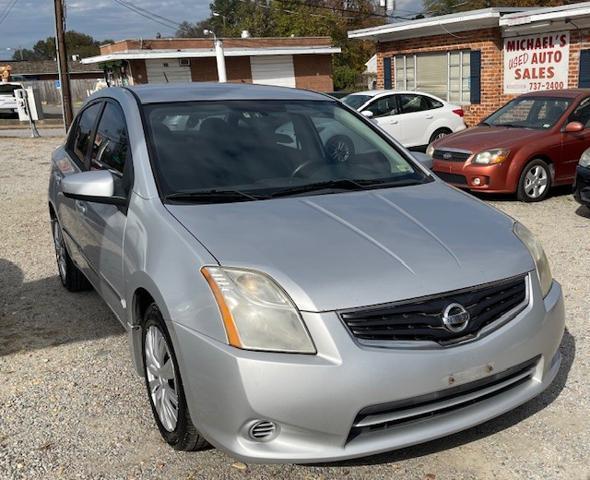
{"x": 535, "y": 181}
{"x": 438, "y": 134}
{"x": 164, "y": 385}
{"x": 71, "y": 277}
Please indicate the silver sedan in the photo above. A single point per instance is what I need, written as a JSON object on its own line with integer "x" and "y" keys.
{"x": 285, "y": 302}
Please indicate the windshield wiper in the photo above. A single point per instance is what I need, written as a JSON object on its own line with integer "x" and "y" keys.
{"x": 344, "y": 184}
{"x": 485, "y": 124}
{"x": 212, "y": 196}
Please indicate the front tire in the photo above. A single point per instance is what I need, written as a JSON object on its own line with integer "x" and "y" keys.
{"x": 164, "y": 385}
{"x": 534, "y": 182}
{"x": 71, "y": 277}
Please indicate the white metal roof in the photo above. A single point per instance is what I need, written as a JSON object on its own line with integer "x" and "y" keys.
{"x": 454, "y": 22}
{"x": 208, "y": 52}
{"x": 546, "y": 14}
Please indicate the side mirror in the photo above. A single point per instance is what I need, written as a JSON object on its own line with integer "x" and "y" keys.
{"x": 367, "y": 113}
{"x": 423, "y": 159}
{"x": 574, "y": 127}
{"x": 96, "y": 186}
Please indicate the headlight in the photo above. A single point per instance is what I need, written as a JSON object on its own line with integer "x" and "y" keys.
{"x": 585, "y": 159}
{"x": 491, "y": 157}
{"x": 256, "y": 312}
{"x": 538, "y": 254}
{"x": 430, "y": 150}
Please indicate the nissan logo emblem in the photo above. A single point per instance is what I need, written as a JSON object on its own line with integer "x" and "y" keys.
{"x": 455, "y": 317}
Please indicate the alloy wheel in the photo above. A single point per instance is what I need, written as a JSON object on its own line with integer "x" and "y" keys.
{"x": 536, "y": 181}
{"x": 161, "y": 378}
{"x": 60, "y": 250}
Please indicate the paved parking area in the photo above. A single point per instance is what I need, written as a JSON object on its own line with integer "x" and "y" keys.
{"x": 71, "y": 406}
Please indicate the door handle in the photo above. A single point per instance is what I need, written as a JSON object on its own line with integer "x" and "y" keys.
{"x": 81, "y": 207}
{"x": 429, "y": 117}
{"x": 393, "y": 122}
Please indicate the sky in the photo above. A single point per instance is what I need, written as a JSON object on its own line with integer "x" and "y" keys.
{"x": 32, "y": 20}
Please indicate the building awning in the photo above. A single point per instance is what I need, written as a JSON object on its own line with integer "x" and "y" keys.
{"x": 566, "y": 17}
{"x": 425, "y": 27}
{"x": 209, "y": 52}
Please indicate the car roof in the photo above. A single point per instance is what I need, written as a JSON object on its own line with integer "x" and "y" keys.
{"x": 382, "y": 91}
{"x": 565, "y": 93}
{"x": 202, "y": 91}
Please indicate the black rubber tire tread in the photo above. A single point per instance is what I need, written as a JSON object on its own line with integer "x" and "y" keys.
{"x": 437, "y": 131}
{"x": 185, "y": 437}
{"x": 521, "y": 194}
{"x": 75, "y": 280}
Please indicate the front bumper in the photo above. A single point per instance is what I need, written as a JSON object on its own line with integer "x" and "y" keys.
{"x": 483, "y": 178}
{"x": 315, "y": 399}
{"x": 582, "y": 185}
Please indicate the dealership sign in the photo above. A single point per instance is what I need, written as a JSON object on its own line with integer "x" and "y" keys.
{"x": 536, "y": 62}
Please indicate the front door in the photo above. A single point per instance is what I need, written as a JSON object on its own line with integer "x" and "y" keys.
{"x": 105, "y": 224}
{"x": 573, "y": 144}
{"x": 385, "y": 114}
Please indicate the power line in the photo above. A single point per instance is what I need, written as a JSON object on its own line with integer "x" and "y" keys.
{"x": 166, "y": 22}
{"x": 9, "y": 6}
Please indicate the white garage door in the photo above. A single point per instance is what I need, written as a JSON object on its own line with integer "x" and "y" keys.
{"x": 167, "y": 70}
{"x": 273, "y": 70}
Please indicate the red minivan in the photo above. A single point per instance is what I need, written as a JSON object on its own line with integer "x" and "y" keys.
{"x": 532, "y": 143}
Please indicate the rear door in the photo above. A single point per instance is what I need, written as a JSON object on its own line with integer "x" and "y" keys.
{"x": 70, "y": 212}
{"x": 573, "y": 144}
{"x": 386, "y": 114}
{"x": 105, "y": 224}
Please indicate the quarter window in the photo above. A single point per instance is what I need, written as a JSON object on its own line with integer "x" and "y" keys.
{"x": 83, "y": 131}
{"x": 110, "y": 148}
{"x": 582, "y": 113}
{"x": 445, "y": 74}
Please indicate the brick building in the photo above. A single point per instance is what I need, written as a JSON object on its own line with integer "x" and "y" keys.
{"x": 482, "y": 58}
{"x": 304, "y": 62}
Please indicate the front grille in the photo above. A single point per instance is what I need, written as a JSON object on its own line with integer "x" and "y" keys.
{"x": 450, "y": 155}
{"x": 452, "y": 178}
{"x": 421, "y": 319}
{"x": 377, "y": 418}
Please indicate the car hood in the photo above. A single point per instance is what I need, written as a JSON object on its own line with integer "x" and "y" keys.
{"x": 478, "y": 139}
{"x": 363, "y": 248}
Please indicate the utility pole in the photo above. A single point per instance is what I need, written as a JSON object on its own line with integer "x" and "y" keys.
{"x": 62, "y": 63}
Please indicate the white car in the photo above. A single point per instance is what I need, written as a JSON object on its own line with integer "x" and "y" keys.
{"x": 413, "y": 118}
{"x": 7, "y": 97}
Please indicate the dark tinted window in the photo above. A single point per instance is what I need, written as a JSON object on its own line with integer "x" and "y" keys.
{"x": 383, "y": 106}
{"x": 410, "y": 103}
{"x": 110, "y": 147}
{"x": 529, "y": 112}
{"x": 582, "y": 113}
{"x": 433, "y": 102}
{"x": 9, "y": 89}
{"x": 356, "y": 101}
{"x": 83, "y": 130}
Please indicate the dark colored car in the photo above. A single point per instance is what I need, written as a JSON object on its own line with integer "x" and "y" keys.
{"x": 582, "y": 185}
{"x": 529, "y": 145}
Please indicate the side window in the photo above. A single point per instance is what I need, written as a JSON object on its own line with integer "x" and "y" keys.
{"x": 383, "y": 106}
{"x": 81, "y": 138}
{"x": 410, "y": 103}
{"x": 582, "y": 113}
{"x": 111, "y": 146}
{"x": 433, "y": 103}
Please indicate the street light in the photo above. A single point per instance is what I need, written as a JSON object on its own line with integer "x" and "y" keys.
{"x": 219, "y": 55}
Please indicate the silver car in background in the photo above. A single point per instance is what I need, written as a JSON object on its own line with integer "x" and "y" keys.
{"x": 284, "y": 302}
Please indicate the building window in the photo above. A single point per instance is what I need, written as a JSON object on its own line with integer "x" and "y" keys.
{"x": 444, "y": 74}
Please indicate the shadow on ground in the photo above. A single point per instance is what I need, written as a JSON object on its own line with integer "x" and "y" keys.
{"x": 42, "y": 313}
{"x": 583, "y": 211}
{"x": 568, "y": 351}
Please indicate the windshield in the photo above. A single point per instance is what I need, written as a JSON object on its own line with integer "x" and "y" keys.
{"x": 529, "y": 112}
{"x": 356, "y": 101}
{"x": 246, "y": 150}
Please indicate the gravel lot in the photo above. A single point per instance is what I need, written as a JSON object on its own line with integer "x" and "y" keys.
{"x": 72, "y": 407}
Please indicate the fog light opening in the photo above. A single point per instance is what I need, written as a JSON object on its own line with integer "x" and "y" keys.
{"x": 263, "y": 431}
{"x": 476, "y": 181}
